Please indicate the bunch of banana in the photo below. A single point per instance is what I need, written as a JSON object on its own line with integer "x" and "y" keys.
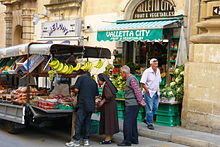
{"x": 70, "y": 69}
{"x": 54, "y": 63}
{"x": 90, "y": 66}
{"x": 77, "y": 67}
{"x": 60, "y": 67}
{"x": 99, "y": 64}
{"x": 65, "y": 69}
{"x": 56, "y": 66}
{"x": 87, "y": 66}
{"x": 84, "y": 66}
{"x": 51, "y": 74}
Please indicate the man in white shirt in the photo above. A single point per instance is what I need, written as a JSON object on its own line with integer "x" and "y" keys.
{"x": 150, "y": 81}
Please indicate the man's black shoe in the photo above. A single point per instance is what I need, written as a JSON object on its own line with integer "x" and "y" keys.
{"x": 151, "y": 127}
{"x": 124, "y": 144}
{"x": 134, "y": 142}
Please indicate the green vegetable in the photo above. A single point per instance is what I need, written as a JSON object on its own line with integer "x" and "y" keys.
{"x": 132, "y": 67}
{"x": 176, "y": 87}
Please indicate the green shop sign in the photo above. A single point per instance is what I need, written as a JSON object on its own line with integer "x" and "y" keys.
{"x": 131, "y": 35}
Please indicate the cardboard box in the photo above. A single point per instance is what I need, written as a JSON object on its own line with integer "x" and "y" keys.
{"x": 34, "y": 61}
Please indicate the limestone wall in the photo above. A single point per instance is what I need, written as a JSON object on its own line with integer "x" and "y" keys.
{"x": 201, "y": 107}
{"x": 2, "y": 26}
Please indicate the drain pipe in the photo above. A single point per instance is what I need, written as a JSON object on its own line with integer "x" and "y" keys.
{"x": 199, "y": 13}
{"x": 187, "y": 19}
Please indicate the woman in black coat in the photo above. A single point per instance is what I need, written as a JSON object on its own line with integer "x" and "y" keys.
{"x": 108, "y": 108}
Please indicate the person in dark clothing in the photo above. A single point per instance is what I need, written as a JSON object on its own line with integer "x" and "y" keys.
{"x": 87, "y": 90}
{"x": 108, "y": 118}
{"x": 133, "y": 98}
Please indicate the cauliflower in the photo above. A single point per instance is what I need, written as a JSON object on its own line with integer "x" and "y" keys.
{"x": 172, "y": 83}
{"x": 178, "y": 89}
{"x": 177, "y": 80}
{"x": 177, "y": 71}
{"x": 170, "y": 93}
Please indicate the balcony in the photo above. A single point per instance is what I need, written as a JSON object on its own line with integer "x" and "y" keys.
{"x": 9, "y": 2}
{"x": 56, "y": 5}
{"x": 62, "y": 1}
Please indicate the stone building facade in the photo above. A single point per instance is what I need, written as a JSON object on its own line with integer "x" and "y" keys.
{"x": 94, "y": 14}
{"x": 201, "y": 109}
{"x": 2, "y": 26}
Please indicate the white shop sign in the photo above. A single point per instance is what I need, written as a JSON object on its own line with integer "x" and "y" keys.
{"x": 63, "y": 28}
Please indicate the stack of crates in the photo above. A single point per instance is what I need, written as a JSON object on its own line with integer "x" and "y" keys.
{"x": 120, "y": 108}
{"x": 120, "y": 104}
{"x": 141, "y": 114}
{"x": 120, "y": 95}
{"x": 138, "y": 77}
{"x": 168, "y": 114}
{"x": 94, "y": 127}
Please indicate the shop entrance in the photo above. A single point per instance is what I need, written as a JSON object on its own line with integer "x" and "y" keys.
{"x": 141, "y": 52}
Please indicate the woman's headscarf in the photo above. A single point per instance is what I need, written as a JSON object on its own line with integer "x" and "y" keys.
{"x": 106, "y": 79}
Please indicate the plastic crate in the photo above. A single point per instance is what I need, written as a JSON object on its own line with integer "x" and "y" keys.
{"x": 163, "y": 82}
{"x": 169, "y": 109}
{"x": 142, "y": 109}
{"x": 140, "y": 119}
{"x": 120, "y": 114}
{"x": 138, "y": 77}
{"x": 94, "y": 127}
{"x": 120, "y": 94}
{"x": 169, "y": 121}
{"x": 141, "y": 116}
{"x": 120, "y": 105}
{"x": 100, "y": 91}
{"x": 65, "y": 107}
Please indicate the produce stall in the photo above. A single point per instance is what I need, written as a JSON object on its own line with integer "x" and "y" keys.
{"x": 23, "y": 68}
{"x": 170, "y": 98}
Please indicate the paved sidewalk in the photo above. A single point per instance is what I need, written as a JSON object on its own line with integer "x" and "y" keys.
{"x": 176, "y": 135}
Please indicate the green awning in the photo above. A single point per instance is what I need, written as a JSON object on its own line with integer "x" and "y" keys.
{"x": 134, "y": 31}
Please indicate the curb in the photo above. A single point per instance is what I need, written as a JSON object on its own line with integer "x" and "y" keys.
{"x": 169, "y": 137}
{"x": 155, "y": 135}
{"x": 175, "y": 139}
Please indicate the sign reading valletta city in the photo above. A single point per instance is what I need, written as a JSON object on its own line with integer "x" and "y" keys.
{"x": 130, "y": 35}
{"x": 154, "y": 9}
{"x": 63, "y": 28}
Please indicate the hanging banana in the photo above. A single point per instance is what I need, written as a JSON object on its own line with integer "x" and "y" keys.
{"x": 54, "y": 63}
{"x": 57, "y": 65}
{"x": 77, "y": 67}
{"x": 85, "y": 66}
{"x": 90, "y": 65}
{"x": 99, "y": 64}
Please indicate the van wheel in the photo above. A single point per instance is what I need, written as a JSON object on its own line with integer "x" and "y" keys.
{"x": 12, "y": 127}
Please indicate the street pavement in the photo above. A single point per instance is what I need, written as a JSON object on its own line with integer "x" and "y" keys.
{"x": 56, "y": 137}
{"x": 177, "y": 135}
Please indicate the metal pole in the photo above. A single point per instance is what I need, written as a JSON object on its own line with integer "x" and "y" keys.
{"x": 28, "y": 74}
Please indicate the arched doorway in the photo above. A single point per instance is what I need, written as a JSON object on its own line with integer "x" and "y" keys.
{"x": 18, "y": 35}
